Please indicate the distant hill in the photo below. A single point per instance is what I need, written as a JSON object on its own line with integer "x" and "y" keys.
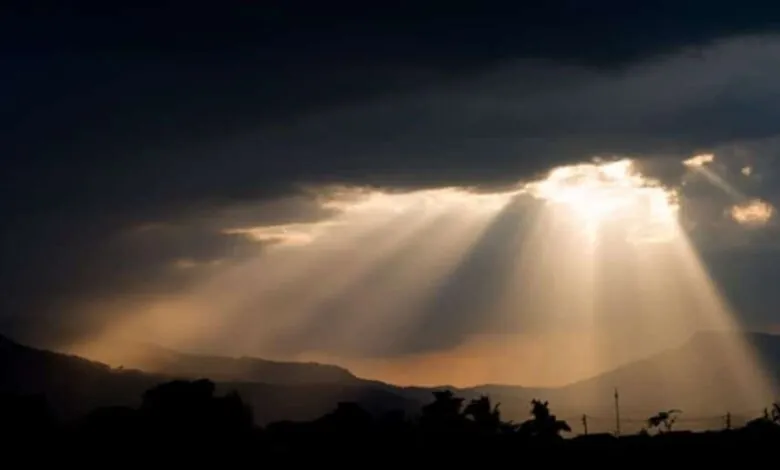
{"x": 696, "y": 377}
{"x": 72, "y": 385}
{"x": 75, "y": 386}
{"x": 159, "y": 360}
{"x": 700, "y": 376}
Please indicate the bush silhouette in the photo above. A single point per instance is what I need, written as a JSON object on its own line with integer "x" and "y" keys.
{"x": 190, "y": 409}
{"x": 187, "y": 419}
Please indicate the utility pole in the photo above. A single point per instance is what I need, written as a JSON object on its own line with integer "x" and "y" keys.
{"x": 728, "y": 421}
{"x": 585, "y": 423}
{"x": 617, "y": 413}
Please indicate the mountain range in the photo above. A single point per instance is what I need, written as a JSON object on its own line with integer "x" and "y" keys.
{"x": 702, "y": 377}
{"x": 153, "y": 358}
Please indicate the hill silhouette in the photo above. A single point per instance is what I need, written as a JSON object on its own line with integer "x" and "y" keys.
{"x": 74, "y": 385}
{"x": 291, "y": 391}
{"x": 157, "y": 359}
{"x": 190, "y": 420}
{"x": 678, "y": 377}
{"x": 700, "y": 377}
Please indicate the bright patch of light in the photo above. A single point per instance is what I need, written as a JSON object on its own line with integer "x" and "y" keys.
{"x": 368, "y": 200}
{"x": 356, "y": 206}
{"x": 288, "y": 235}
{"x": 188, "y": 263}
{"x": 612, "y": 190}
{"x": 699, "y": 161}
{"x": 386, "y": 264}
{"x": 752, "y": 213}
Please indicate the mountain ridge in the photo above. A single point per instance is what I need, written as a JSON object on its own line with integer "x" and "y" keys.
{"x": 154, "y": 358}
{"x": 76, "y": 385}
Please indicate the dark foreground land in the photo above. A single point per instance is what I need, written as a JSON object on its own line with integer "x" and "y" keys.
{"x": 185, "y": 422}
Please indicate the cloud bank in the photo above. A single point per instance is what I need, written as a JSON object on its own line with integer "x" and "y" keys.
{"x": 135, "y": 178}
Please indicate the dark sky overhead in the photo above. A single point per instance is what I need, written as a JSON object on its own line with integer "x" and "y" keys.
{"x": 132, "y": 136}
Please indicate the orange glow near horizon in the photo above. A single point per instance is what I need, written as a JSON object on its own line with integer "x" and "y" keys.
{"x": 594, "y": 271}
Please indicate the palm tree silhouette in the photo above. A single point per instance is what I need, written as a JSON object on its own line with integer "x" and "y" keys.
{"x": 663, "y": 421}
{"x": 444, "y": 413}
{"x": 485, "y": 416}
{"x": 544, "y": 424}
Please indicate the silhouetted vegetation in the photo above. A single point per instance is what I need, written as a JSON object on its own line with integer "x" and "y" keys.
{"x": 194, "y": 419}
{"x": 543, "y": 425}
{"x": 188, "y": 420}
{"x": 663, "y": 421}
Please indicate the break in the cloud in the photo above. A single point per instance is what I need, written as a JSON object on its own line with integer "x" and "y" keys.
{"x": 202, "y": 152}
{"x": 390, "y": 274}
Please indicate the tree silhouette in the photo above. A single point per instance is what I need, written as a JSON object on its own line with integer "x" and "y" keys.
{"x": 190, "y": 408}
{"x": 663, "y": 421}
{"x": 485, "y": 416}
{"x": 444, "y": 413}
{"x": 111, "y": 423}
{"x": 187, "y": 420}
{"x": 543, "y": 425}
{"x": 23, "y": 415}
{"x": 347, "y": 417}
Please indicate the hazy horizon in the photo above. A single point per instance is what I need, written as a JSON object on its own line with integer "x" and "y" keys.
{"x": 422, "y": 197}
{"x": 412, "y": 371}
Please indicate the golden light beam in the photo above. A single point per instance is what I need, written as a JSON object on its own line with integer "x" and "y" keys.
{"x": 603, "y": 276}
{"x": 746, "y": 211}
{"x": 744, "y": 365}
{"x": 248, "y": 305}
{"x": 292, "y": 304}
{"x": 699, "y": 165}
{"x": 656, "y": 294}
{"x": 328, "y": 286}
{"x": 376, "y": 313}
{"x": 273, "y": 294}
{"x": 204, "y": 311}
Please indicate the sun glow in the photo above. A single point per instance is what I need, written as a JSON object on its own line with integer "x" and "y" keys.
{"x": 569, "y": 276}
{"x": 596, "y": 192}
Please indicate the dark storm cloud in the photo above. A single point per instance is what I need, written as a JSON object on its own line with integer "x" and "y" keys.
{"x": 112, "y": 121}
{"x": 168, "y": 93}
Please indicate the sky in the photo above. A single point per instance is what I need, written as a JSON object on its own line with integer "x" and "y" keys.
{"x": 151, "y": 155}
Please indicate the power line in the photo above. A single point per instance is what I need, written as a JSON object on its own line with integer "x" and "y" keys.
{"x": 631, "y": 424}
